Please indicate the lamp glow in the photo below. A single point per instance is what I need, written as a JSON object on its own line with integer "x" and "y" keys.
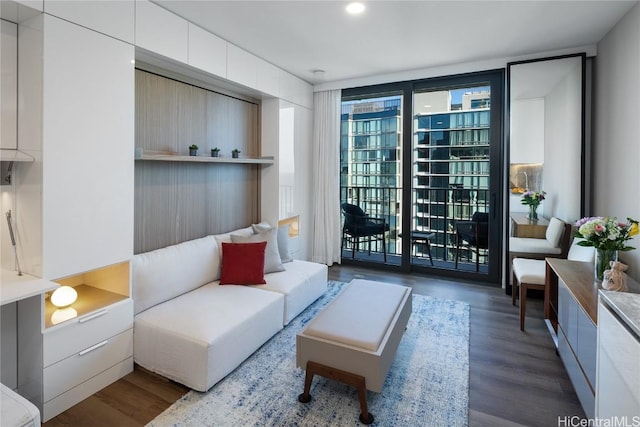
{"x": 64, "y": 296}
{"x": 63, "y": 314}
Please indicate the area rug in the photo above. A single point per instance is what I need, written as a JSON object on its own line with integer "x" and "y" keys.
{"x": 427, "y": 385}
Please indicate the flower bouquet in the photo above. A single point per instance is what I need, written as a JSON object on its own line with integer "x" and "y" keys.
{"x": 607, "y": 236}
{"x": 533, "y": 199}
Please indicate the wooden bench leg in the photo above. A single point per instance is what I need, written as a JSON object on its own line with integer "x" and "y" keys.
{"x": 345, "y": 377}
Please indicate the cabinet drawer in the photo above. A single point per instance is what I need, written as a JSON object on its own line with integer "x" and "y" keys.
{"x": 587, "y": 346}
{"x": 67, "y": 399}
{"x": 83, "y": 332}
{"x": 86, "y": 364}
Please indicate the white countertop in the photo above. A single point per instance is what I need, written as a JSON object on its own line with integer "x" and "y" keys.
{"x": 626, "y": 305}
{"x": 14, "y": 288}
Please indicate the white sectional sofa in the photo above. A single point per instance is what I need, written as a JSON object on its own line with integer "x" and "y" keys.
{"x": 193, "y": 330}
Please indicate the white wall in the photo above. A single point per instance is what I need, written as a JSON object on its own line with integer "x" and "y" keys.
{"x": 562, "y": 145}
{"x": 616, "y": 135}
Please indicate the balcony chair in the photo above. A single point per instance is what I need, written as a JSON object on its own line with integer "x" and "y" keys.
{"x": 475, "y": 233}
{"x": 530, "y": 274}
{"x": 357, "y": 225}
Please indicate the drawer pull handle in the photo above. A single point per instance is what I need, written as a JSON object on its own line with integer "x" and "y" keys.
{"x": 93, "y": 347}
{"x": 93, "y": 316}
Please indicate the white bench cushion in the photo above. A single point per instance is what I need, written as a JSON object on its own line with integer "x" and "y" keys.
{"x": 531, "y": 271}
{"x": 360, "y": 315}
{"x": 302, "y": 283}
{"x": 200, "y": 337}
{"x": 17, "y": 411}
{"x": 531, "y": 245}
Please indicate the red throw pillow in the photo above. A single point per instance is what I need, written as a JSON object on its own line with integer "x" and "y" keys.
{"x": 243, "y": 263}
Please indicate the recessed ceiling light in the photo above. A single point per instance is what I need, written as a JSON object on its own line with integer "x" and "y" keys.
{"x": 355, "y": 8}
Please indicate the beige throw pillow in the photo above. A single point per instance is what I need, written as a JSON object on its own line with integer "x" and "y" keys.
{"x": 272, "y": 262}
{"x": 283, "y": 239}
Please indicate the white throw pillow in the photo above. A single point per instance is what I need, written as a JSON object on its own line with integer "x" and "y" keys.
{"x": 283, "y": 239}
{"x": 272, "y": 262}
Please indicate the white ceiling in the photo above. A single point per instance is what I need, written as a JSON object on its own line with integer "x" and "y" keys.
{"x": 393, "y": 36}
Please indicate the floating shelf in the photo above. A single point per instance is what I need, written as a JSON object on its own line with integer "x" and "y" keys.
{"x": 206, "y": 159}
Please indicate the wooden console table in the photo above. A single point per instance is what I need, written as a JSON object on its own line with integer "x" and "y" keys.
{"x": 522, "y": 226}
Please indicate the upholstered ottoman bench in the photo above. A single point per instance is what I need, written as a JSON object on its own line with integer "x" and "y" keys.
{"x": 355, "y": 337}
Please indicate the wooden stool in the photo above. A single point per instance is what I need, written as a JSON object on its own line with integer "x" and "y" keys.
{"x": 527, "y": 274}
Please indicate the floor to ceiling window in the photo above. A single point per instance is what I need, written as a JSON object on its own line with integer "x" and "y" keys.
{"x": 371, "y": 166}
{"x": 437, "y": 184}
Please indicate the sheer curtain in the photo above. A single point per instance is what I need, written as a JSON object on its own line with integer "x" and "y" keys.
{"x": 325, "y": 247}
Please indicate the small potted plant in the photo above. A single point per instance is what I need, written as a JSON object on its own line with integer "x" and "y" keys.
{"x": 215, "y": 152}
{"x": 193, "y": 150}
{"x": 235, "y": 153}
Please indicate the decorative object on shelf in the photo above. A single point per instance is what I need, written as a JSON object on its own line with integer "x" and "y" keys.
{"x": 533, "y": 199}
{"x": 607, "y": 236}
{"x": 64, "y": 296}
{"x": 215, "y": 152}
{"x": 235, "y": 153}
{"x": 615, "y": 278}
{"x": 193, "y": 150}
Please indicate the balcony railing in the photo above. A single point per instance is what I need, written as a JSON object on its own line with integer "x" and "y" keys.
{"x": 434, "y": 210}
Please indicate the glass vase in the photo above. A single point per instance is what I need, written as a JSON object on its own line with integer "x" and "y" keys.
{"x": 533, "y": 213}
{"x": 602, "y": 260}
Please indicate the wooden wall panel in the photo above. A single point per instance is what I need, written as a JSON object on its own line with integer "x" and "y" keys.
{"x": 179, "y": 201}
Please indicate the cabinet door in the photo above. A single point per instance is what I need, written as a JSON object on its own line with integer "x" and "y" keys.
{"x": 618, "y": 383}
{"x": 241, "y": 66}
{"x": 87, "y": 145}
{"x": 207, "y": 51}
{"x": 114, "y": 18}
{"x": 268, "y": 78}
{"x": 587, "y": 346}
{"x": 567, "y": 314}
{"x": 160, "y": 31}
{"x": 9, "y": 85}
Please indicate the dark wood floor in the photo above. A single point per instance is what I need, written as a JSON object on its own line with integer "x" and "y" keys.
{"x": 516, "y": 378}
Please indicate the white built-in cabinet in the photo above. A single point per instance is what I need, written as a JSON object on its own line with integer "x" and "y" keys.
{"x": 160, "y": 32}
{"x": 86, "y": 167}
{"x": 74, "y": 208}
